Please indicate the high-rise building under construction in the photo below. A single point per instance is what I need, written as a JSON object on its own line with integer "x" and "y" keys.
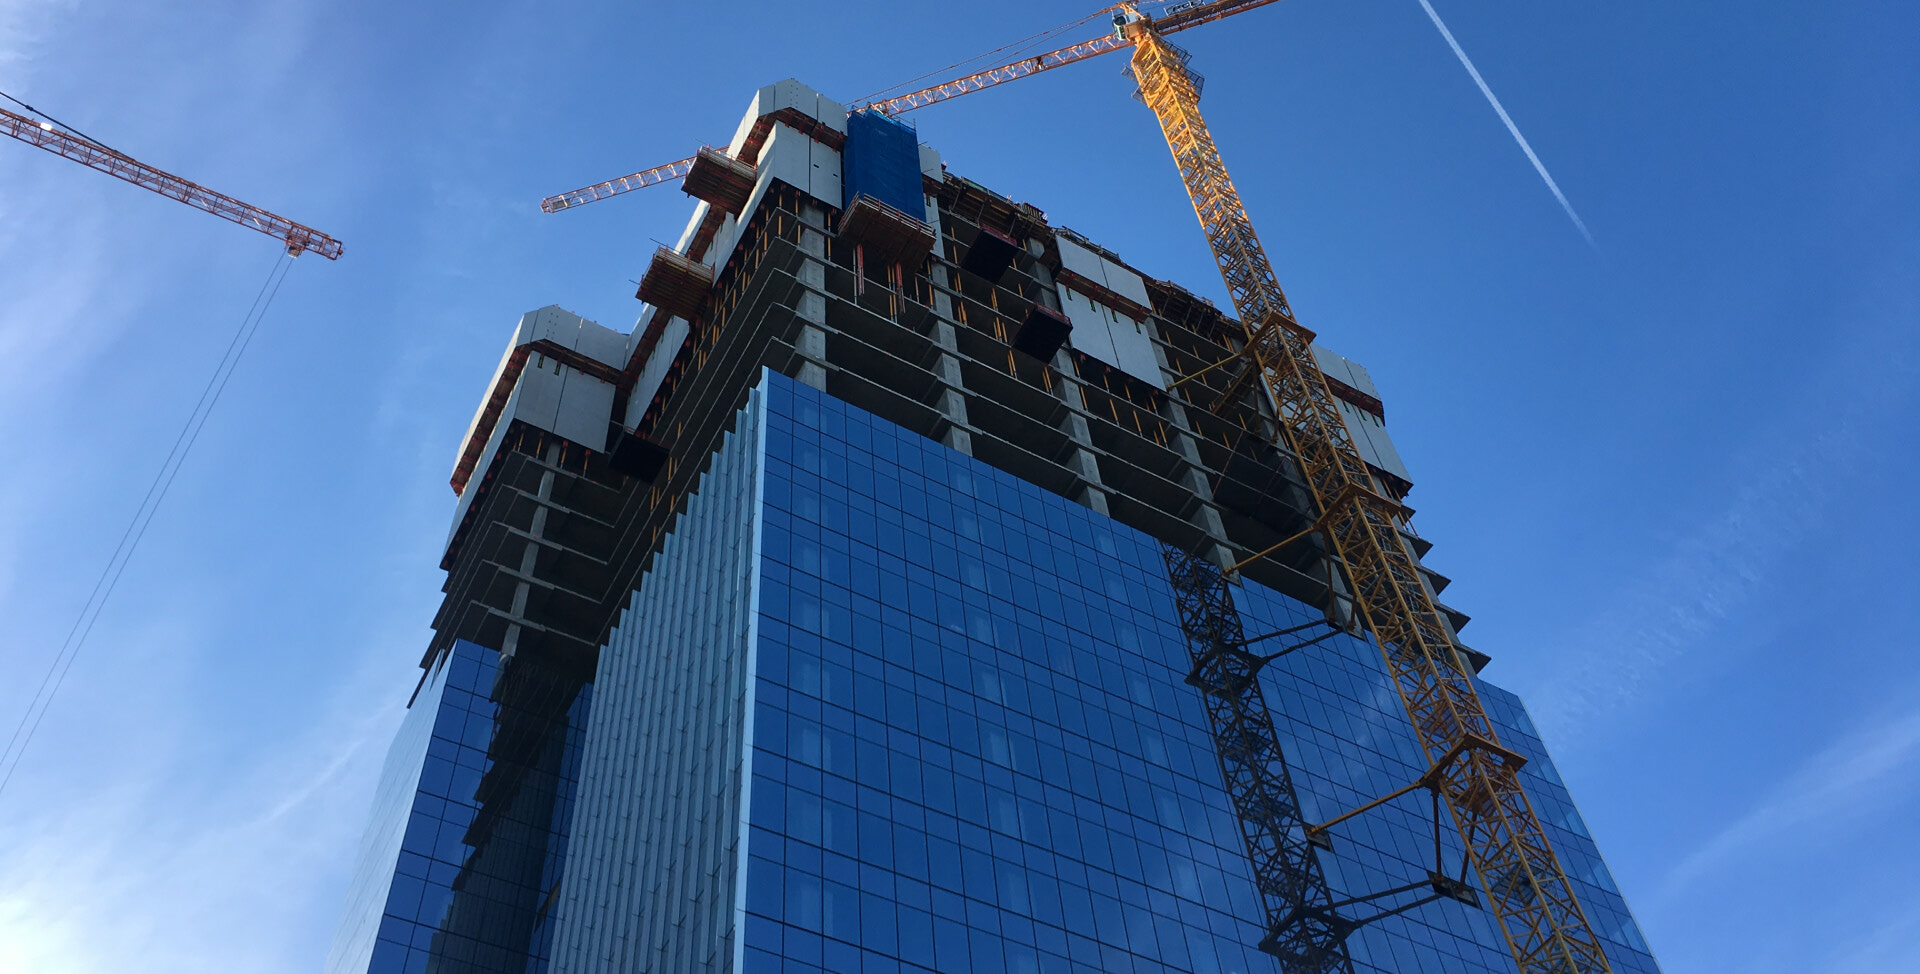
{"x": 910, "y": 591}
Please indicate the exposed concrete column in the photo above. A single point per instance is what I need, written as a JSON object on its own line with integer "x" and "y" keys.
{"x": 1205, "y": 516}
{"x": 1049, "y": 295}
{"x": 1092, "y": 491}
{"x": 1340, "y": 609}
{"x": 943, "y": 281}
{"x": 813, "y": 243}
{"x": 530, "y": 555}
{"x": 952, "y": 398}
{"x": 956, "y": 436}
{"x": 812, "y": 348}
{"x": 811, "y": 343}
{"x": 942, "y": 301}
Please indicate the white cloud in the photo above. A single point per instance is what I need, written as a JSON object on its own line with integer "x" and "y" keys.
{"x": 1892, "y": 944}
{"x": 1705, "y": 578}
{"x": 175, "y": 815}
{"x": 1785, "y": 484}
{"x": 1860, "y": 773}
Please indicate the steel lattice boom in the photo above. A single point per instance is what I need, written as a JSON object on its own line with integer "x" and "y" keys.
{"x": 614, "y": 187}
{"x": 1477, "y": 778}
{"x": 297, "y": 237}
{"x": 979, "y": 81}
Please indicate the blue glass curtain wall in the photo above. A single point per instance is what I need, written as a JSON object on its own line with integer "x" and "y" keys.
{"x": 485, "y": 829}
{"x": 974, "y": 749}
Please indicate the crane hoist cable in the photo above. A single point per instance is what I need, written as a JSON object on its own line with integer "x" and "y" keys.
{"x": 103, "y": 587}
{"x": 61, "y": 124}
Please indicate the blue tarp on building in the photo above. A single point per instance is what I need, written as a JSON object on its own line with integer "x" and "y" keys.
{"x": 882, "y": 159}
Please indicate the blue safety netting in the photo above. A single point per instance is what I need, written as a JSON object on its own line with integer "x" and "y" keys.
{"x": 882, "y": 160}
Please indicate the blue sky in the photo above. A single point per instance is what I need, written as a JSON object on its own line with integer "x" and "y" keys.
{"x": 1668, "y": 471}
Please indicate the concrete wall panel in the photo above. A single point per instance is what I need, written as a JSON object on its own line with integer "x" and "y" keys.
{"x": 700, "y": 208}
{"x": 1081, "y": 261}
{"x": 1091, "y": 333}
{"x": 480, "y": 468}
{"x": 1345, "y": 370}
{"x": 825, "y": 183}
{"x": 655, "y": 370}
{"x": 1125, "y": 283}
{"x": 1371, "y": 439}
{"x": 569, "y": 331}
{"x": 787, "y": 156}
{"x": 584, "y": 410}
{"x": 1384, "y": 449}
{"x": 724, "y": 240}
{"x": 480, "y": 413}
{"x": 602, "y": 344}
{"x": 1133, "y": 349}
{"x": 787, "y": 94}
{"x": 1361, "y": 379}
{"x": 829, "y": 111}
{"x": 1105, "y": 333}
{"x": 536, "y": 397}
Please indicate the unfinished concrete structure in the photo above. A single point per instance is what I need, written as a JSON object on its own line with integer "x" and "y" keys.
{"x": 1095, "y": 419}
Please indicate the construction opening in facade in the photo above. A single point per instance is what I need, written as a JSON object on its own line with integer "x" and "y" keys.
{"x": 919, "y": 586}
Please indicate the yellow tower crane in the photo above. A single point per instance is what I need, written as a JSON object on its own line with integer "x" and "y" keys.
{"x": 1476, "y": 777}
{"x": 1468, "y": 770}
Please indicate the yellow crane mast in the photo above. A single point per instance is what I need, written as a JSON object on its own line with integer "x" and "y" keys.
{"x": 1476, "y": 777}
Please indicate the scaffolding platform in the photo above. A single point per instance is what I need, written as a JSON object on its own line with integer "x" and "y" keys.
{"x": 889, "y": 235}
{"x": 720, "y": 179}
{"x": 675, "y": 284}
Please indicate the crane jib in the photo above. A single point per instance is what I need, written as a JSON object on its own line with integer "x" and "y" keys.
{"x": 297, "y": 237}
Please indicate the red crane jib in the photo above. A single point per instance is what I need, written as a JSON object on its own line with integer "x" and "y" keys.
{"x": 299, "y": 238}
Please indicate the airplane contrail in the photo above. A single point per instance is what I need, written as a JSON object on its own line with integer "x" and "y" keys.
{"x": 1501, "y": 110}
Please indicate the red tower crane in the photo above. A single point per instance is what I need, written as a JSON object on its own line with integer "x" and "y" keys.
{"x": 60, "y": 141}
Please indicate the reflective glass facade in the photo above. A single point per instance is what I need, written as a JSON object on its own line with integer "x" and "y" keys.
{"x": 881, "y": 708}
{"x": 974, "y": 749}
{"x": 1348, "y": 741}
{"x": 654, "y": 877}
{"x": 482, "y": 832}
